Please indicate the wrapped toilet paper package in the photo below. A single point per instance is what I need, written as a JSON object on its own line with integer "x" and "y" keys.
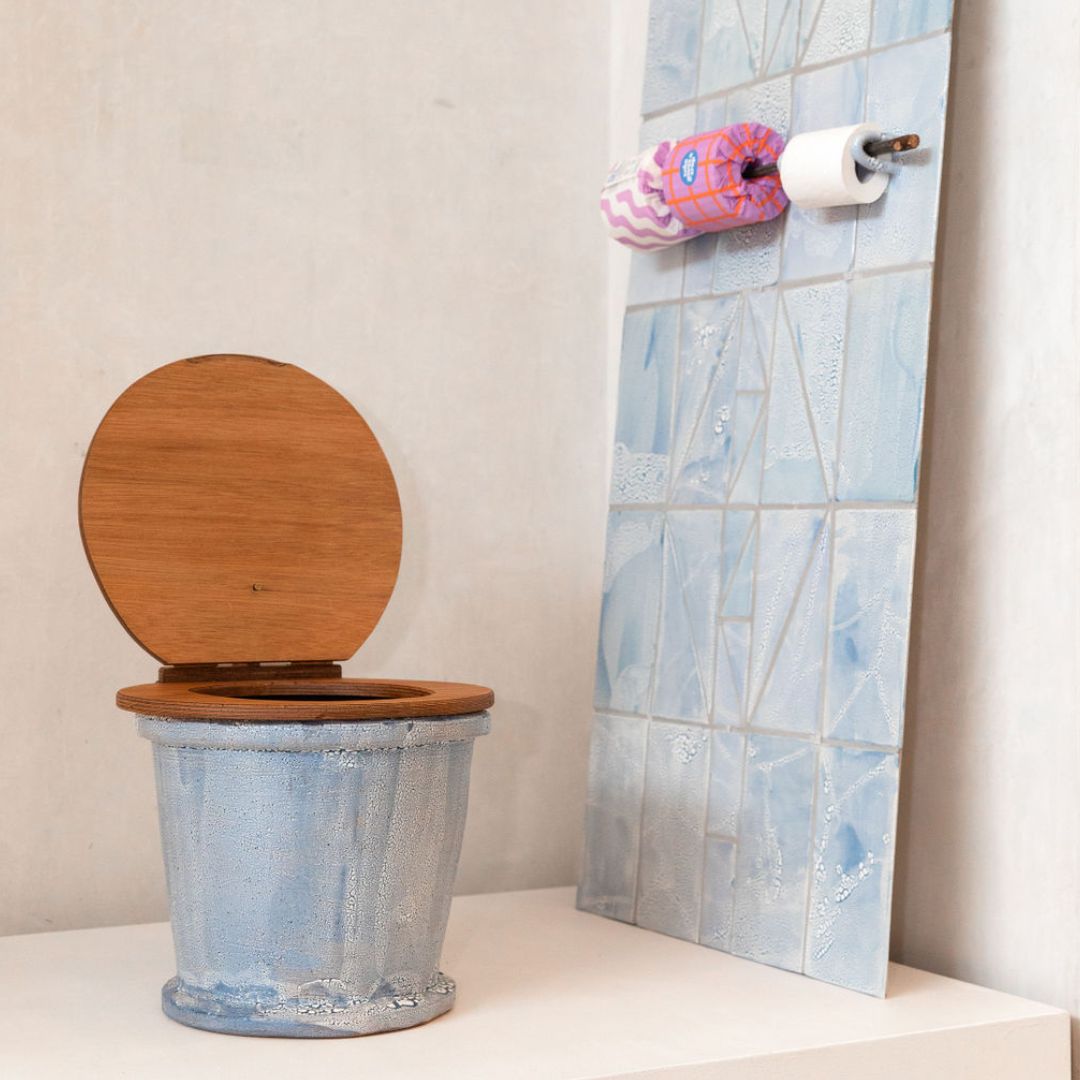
{"x": 632, "y": 203}
{"x": 704, "y": 185}
{"x": 819, "y": 169}
{"x": 678, "y": 190}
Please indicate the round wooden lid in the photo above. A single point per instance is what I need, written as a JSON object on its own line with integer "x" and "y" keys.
{"x": 238, "y": 509}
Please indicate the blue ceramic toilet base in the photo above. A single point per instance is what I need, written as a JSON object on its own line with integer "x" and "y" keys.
{"x": 314, "y": 1013}
{"x": 310, "y": 869}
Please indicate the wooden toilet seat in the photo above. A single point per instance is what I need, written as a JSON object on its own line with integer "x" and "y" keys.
{"x": 244, "y": 526}
{"x": 297, "y": 700}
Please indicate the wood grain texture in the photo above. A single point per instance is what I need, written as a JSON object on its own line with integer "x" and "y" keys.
{"x": 238, "y": 509}
{"x": 346, "y": 699}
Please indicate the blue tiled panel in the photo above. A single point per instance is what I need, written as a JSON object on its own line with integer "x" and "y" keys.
{"x": 884, "y": 387}
{"x": 819, "y": 242}
{"x": 898, "y": 20}
{"x": 672, "y": 57}
{"x": 631, "y": 601}
{"x": 774, "y": 851}
{"x": 613, "y": 816}
{"x": 756, "y": 610}
{"x": 868, "y": 637}
{"x": 853, "y": 868}
{"x": 643, "y": 423}
{"x": 673, "y": 829}
{"x": 906, "y": 89}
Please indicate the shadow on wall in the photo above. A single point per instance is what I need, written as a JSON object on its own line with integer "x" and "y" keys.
{"x": 962, "y": 879}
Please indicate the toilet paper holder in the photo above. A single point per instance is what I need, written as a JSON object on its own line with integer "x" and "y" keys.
{"x": 873, "y": 148}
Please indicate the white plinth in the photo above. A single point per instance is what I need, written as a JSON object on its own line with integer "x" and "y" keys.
{"x": 545, "y": 992}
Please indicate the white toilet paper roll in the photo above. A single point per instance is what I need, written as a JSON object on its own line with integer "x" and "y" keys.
{"x": 817, "y": 169}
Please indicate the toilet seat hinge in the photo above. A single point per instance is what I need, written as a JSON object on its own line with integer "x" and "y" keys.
{"x": 274, "y": 669}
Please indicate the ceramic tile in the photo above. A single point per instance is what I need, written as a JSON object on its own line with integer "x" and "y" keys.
{"x": 641, "y": 462}
{"x": 725, "y": 782}
{"x": 773, "y": 858}
{"x": 819, "y": 242}
{"x": 898, "y": 20}
{"x": 833, "y": 28}
{"x": 906, "y": 89}
{"x": 732, "y": 671}
{"x": 747, "y": 258}
{"x": 787, "y": 543}
{"x": 708, "y": 374}
{"x": 629, "y": 609}
{"x": 731, "y": 46}
{"x": 670, "y": 126}
{"x": 656, "y": 276}
{"x": 781, "y": 35}
{"x": 766, "y": 103}
{"x": 672, "y": 56}
{"x": 868, "y": 634}
{"x": 712, "y": 114}
{"x": 884, "y": 386}
{"x": 800, "y": 447}
{"x": 718, "y": 894}
{"x": 852, "y": 868}
{"x": 673, "y": 829}
{"x": 756, "y": 608}
{"x": 613, "y": 816}
{"x": 790, "y": 698}
{"x": 684, "y": 662}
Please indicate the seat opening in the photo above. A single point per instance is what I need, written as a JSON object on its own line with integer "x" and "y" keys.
{"x": 311, "y": 690}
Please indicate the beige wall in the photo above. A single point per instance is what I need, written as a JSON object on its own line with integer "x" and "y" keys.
{"x": 397, "y": 196}
{"x": 988, "y": 882}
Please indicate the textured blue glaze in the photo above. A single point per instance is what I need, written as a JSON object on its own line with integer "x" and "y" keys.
{"x": 731, "y": 46}
{"x": 786, "y": 546}
{"x": 791, "y": 697}
{"x": 613, "y": 816}
{"x": 643, "y": 426}
{"x": 687, "y": 625}
{"x": 774, "y": 851}
{"x": 897, "y": 20}
{"x": 906, "y": 89}
{"x": 819, "y": 242}
{"x": 883, "y": 392}
{"x": 853, "y": 867}
{"x": 832, "y": 28}
{"x": 628, "y": 611}
{"x": 868, "y": 639}
{"x": 673, "y": 829}
{"x": 672, "y": 55}
{"x": 310, "y": 869}
{"x": 725, "y": 782}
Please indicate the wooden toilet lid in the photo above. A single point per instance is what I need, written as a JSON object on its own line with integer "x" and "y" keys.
{"x": 236, "y": 509}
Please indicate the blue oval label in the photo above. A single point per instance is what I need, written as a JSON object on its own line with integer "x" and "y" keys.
{"x": 688, "y": 167}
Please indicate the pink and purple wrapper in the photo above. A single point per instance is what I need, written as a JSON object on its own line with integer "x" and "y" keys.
{"x": 678, "y": 190}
